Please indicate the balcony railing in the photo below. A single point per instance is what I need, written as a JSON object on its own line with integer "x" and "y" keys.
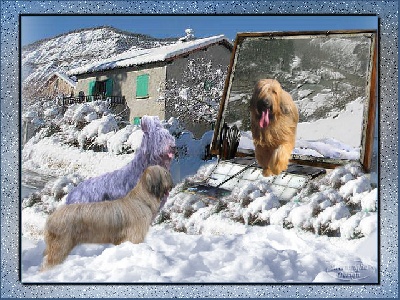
{"x": 113, "y": 100}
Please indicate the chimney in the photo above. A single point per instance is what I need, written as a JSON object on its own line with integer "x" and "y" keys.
{"x": 189, "y": 35}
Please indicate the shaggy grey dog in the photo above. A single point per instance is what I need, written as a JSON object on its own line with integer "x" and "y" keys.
{"x": 157, "y": 148}
{"x": 125, "y": 219}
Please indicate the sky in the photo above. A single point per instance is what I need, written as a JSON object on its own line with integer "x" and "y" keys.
{"x": 37, "y": 27}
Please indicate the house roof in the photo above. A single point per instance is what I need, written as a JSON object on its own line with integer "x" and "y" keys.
{"x": 138, "y": 57}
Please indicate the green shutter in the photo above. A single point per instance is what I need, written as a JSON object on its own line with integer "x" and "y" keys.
{"x": 92, "y": 85}
{"x": 142, "y": 86}
{"x": 136, "y": 121}
{"x": 109, "y": 87}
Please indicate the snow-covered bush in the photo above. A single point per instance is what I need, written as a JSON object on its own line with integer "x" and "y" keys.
{"x": 334, "y": 205}
{"x": 81, "y": 114}
{"x": 53, "y": 194}
{"x": 92, "y": 133}
{"x": 125, "y": 140}
{"x": 89, "y": 126}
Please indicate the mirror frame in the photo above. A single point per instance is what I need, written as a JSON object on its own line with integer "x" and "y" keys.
{"x": 367, "y": 139}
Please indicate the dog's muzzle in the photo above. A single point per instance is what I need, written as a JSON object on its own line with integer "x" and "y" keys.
{"x": 264, "y": 108}
{"x": 264, "y": 104}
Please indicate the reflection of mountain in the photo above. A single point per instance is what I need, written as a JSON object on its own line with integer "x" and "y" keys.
{"x": 311, "y": 69}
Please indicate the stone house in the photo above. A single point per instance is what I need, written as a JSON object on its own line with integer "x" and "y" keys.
{"x": 57, "y": 85}
{"x": 140, "y": 75}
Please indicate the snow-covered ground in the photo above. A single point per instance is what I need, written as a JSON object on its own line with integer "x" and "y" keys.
{"x": 327, "y": 234}
{"x": 249, "y": 254}
{"x": 337, "y": 126}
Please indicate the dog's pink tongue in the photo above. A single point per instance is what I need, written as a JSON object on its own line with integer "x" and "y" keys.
{"x": 264, "y": 121}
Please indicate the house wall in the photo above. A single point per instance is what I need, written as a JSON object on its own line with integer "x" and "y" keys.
{"x": 154, "y": 104}
{"x": 124, "y": 84}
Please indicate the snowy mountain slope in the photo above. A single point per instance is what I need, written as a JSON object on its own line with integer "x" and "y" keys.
{"x": 64, "y": 52}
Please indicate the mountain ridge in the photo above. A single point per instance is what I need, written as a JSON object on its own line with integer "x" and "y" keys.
{"x": 128, "y": 33}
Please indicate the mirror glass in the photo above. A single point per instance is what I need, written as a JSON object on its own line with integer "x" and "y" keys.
{"x": 329, "y": 77}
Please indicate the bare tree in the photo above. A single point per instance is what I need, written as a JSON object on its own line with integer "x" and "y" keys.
{"x": 196, "y": 97}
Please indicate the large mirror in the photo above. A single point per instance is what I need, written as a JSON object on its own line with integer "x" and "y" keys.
{"x": 331, "y": 77}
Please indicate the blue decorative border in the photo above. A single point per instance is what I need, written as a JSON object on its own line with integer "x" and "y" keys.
{"x": 387, "y": 11}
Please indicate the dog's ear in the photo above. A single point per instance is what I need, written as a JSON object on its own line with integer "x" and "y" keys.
{"x": 150, "y": 123}
{"x": 153, "y": 182}
{"x": 285, "y": 109}
{"x": 145, "y": 123}
{"x": 286, "y": 104}
{"x": 167, "y": 180}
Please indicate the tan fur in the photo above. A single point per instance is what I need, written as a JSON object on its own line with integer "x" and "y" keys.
{"x": 275, "y": 142}
{"x": 117, "y": 221}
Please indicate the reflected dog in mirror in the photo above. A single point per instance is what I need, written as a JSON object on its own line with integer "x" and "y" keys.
{"x": 274, "y": 118}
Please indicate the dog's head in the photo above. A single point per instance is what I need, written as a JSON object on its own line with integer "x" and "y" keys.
{"x": 157, "y": 142}
{"x": 266, "y": 101}
{"x": 157, "y": 181}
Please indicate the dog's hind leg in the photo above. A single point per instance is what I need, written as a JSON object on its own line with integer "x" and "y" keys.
{"x": 137, "y": 235}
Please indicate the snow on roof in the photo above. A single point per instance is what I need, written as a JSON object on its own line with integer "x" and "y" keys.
{"x": 66, "y": 78}
{"x": 145, "y": 56}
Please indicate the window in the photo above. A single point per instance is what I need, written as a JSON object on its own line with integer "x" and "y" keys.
{"x": 142, "y": 86}
{"x": 103, "y": 88}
